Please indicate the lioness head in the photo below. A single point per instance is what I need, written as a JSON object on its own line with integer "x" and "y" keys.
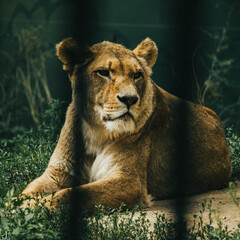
{"x": 114, "y": 81}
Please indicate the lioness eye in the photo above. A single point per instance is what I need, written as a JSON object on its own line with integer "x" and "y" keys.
{"x": 103, "y": 72}
{"x": 137, "y": 75}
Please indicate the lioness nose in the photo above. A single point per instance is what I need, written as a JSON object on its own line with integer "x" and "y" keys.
{"x": 128, "y": 100}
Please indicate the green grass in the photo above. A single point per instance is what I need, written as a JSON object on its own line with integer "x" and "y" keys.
{"x": 26, "y": 156}
{"x": 234, "y": 146}
{"x": 40, "y": 223}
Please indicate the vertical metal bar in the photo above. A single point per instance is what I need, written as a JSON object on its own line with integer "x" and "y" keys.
{"x": 185, "y": 42}
{"x": 81, "y": 11}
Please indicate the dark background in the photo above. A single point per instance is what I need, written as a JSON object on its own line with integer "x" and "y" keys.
{"x": 189, "y": 38}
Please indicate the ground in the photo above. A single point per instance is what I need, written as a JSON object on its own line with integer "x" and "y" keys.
{"x": 222, "y": 203}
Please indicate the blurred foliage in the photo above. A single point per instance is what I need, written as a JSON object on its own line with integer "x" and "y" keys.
{"x": 25, "y": 157}
{"x": 219, "y": 90}
{"x": 24, "y": 90}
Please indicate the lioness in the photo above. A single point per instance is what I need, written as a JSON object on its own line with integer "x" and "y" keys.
{"x": 121, "y": 137}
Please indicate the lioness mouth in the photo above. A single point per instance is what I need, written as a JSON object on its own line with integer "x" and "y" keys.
{"x": 125, "y": 115}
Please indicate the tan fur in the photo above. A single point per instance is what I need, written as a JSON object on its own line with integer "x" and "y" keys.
{"x": 112, "y": 157}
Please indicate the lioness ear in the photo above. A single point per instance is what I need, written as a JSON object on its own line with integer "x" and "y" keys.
{"x": 70, "y": 53}
{"x": 147, "y": 49}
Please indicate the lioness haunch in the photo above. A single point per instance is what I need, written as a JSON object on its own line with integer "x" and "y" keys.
{"x": 124, "y": 138}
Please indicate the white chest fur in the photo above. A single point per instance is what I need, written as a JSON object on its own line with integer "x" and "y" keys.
{"x": 96, "y": 143}
{"x": 103, "y": 166}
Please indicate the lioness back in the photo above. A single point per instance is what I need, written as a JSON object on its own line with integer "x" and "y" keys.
{"x": 208, "y": 157}
{"x": 124, "y": 138}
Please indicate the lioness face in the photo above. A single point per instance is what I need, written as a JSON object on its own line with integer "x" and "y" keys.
{"x": 116, "y": 80}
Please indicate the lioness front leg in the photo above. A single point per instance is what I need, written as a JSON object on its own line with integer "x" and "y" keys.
{"x": 57, "y": 175}
{"x": 109, "y": 192}
{"x": 49, "y": 182}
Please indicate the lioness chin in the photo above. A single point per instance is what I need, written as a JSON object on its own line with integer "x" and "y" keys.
{"x": 126, "y": 139}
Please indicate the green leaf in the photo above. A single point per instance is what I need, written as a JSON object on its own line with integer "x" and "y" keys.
{"x": 4, "y": 224}
{"x": 16, "y": 231}
{"x": 10, "y": 193}
{"x": 29, "y": 216}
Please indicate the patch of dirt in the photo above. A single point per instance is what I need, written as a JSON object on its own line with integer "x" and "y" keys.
{"x": 224, "y": 208}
